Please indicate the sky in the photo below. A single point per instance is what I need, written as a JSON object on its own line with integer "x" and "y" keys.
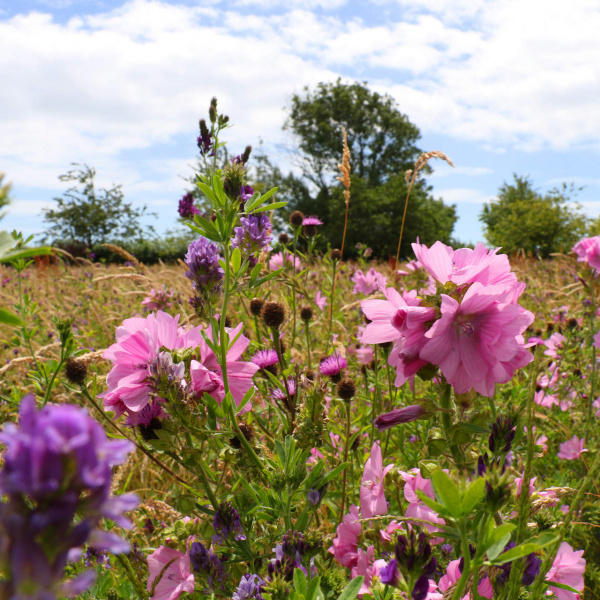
{"x": 502, "y": 87}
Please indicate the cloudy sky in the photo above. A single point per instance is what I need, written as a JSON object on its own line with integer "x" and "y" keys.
{"x": 501, "y": 86}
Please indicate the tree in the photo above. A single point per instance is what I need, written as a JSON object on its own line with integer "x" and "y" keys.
{"x": 382, "y": 144}
{"x": 523, "y": 219}
{"x": 4, "y": 195}
{"x": 90, "y": 216}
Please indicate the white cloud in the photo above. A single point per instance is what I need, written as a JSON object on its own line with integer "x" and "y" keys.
{"x": 502, "y": 73}
{"x": 447, "y": 171}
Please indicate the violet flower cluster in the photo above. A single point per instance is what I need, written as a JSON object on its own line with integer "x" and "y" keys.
{"x": 186, "y": 209}
{"x": 472, "y": 331}
{"x": 56, "y": 477}
{"x": 202, "y": 260}
{"x": 252, "y": 236}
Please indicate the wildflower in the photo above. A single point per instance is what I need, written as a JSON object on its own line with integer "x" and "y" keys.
{"x": 502, "y": 436}
{"x": 186, "y": 208}
{"x": 398, "y": 416}
{"x": 252, "y": 236}
{"x": 452, "y": 575}
{"x": 345, "y": 545}
{"x": 250, "y": 586}
{"x": 76, "y": 371}
{"x": 206, "y": 373}
{"x": 478, "y": 342}
{"x": 265, "y": 359}
{"x": 273, "y": 314}
{"x": 202, "y": 260}
{"x": 204, "y": 140}
{"x": 281, "y": 260}
{"x": 56, "y": 476}
{"x": 568, "y": 568}
{"x": 309, "y": 224}
{"x": 399, "y": 319}
{"x": 366, "y": 283}
{"x": 372, "y": 498}
{"x": 333, "y": 365}
{"x": 205, "y": 562}
{"x": 416, "y": 508}
{"x": 296, "y": 218}
{"x": 225, "y": 522}
{"x": 320, "y": 300}
{"x": 306, "y": 313}
{"x": 346, "y": 389}
{"x": 588, "y": 251}
{"x": 572, "y": 449}
{"x": 173, "y": 568}
{"x": 289, "y": 393}
{"x": 161, "y": 299}
{"x": 368, "y": 567}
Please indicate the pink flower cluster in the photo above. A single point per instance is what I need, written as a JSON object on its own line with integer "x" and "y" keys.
{"x": 369, "y": 282}
{"x": 473, "y": 333}
{"x": 588, "y": 251}
{"x": 143, "y": 364}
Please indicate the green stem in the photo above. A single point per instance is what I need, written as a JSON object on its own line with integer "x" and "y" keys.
{"x": 308, "y": 343}
{"x": 446, "y": 404}
{"x": 466, "y": 573}
{"x": 330, "y": 316}
{"x": 589, "y": 416}
{"x": 294, "y": 290}
{"x": 348, "y": 422}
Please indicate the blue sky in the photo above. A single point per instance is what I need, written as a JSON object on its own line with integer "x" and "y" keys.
{"x": 500, "y": 86}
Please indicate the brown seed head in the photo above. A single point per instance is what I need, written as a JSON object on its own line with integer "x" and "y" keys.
{"x": 306, "y": 313}
{"x": 346, "y": 389}
{"x": 296, "y": 218}
{"x": 76, "y": 371}
{"x": 273, "y": 314}
{"x": 284, "y": 238}
{"x": 256, "y": 305}
{"x": 335, "y": 254}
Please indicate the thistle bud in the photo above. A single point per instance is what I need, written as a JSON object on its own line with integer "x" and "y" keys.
{"x": 284, "y": 238}
{"x": 246, "y": 154}
{"x": 335, "y": 255}
{"x": 256, "y": 305}
{"x": 273, "y": 314}
{"x": 76, "y": 371}
{"x": 346, "y": 389}
{"x": 306, "y": 313}
{"x": 212, "y": 110}
{"x": 296, "y": 218}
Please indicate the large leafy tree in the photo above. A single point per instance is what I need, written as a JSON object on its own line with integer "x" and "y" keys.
{"x": 88, "y": 215}
{"x": 522, "y": 219}
{"x": 382, "y": 143}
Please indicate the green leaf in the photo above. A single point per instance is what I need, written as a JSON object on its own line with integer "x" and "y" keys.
{"x": 299, "y": 581}
{"x": 447, "y": 492}
{"x": 313, "y": 589}
{"x": 257, "y": 200}
{"x": 9, "y": 319}
{"x": 497, "y": 547}
{"x": 471, "y": 428}
{"x": 528, "y": 547}
{"x": 219, "y": 190}
{"x": 473, "y": 496}
{"x": 439, "y": 508}
{"x": 269, "y": 207}
{"x": 207, "y": 191}
{"x": 236, "y": 260}
{"x": 563, "y": 586}
{"x": 351, "y": 590}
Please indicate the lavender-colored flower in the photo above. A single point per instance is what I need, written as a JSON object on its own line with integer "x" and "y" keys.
{"x": 202, "y": 259}
{"x": 186, "y": 208}
{"x": 253, "y": 236}
{"x": 250, "y": 587}
{"x": 57, "y": 465}
{"x": 246, "y": 192}
{"x": 399, "y": 416}
{"x": 226, "y": 521}
{"x": 390, "y": 575}
{"x": 333, "y": 365}
{"x": 502, "y": 436}
{"x": 205, "y": 143}
{"x": 530, "y": 572}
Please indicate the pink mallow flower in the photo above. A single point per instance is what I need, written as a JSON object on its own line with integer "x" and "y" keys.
{"x": 277, "y": 261}
{"x": 345, "y": 545}
{"x": 399, "y": 319}
{"x": 177, "y": 577}
{"x": 372, "y": 497}
{"x": 478, "y": 342}
{"x": 206, "y": 373}
{"x": 453, "y": 574}
{"x": 320, "y": 300}
{"x": 572, "y": 449}
{"x": 568, "y": 568}
{"x": 416, "y": 508}
{"x": 367, "y": 283}
{"x": 588, "y": 251}
{"x": 368, "y": 567}
{"x": 138, "y": 351}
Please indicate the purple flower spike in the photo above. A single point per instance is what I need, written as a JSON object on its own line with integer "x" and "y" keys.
{"x": 57, "y": 466}
{"x": 186, "y": 208}
{"x": 253, "y": 236}
{"x": 225, "y": 522}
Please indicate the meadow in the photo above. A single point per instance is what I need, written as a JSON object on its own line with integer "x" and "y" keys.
{"x": 260, "y": 420}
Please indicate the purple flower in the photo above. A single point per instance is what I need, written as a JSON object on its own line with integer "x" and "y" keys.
{"x": 57, "y": 465}
{"x": 310, "y": 224}
{"x": 291, "y": 390}
{"x": 399, "y": 416}
{"x": 265, "y": 358}
{"x": 333, "y": 365}
{"x": 246, "y": 192}
{"x": 202, "y": 259}
{"x": 205, "y": 139}
{"x": 226, "y": 521}
{"x": 204, "y": 561}
{"x": 250, "y": 587}
{"x": 186, "y": 208}
{"x": 253, "y": 236}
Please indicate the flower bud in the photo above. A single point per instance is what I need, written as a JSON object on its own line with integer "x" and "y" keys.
{"x": 296, "y": 218}
{"x": 76, "y": 371}
{"x": 273, "y": 314}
